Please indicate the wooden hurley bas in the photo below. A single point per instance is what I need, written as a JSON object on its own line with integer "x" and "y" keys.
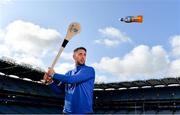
{"x": 73, "y": 29}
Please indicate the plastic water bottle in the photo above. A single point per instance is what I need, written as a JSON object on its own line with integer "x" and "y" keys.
{"x": 130, "y": 19}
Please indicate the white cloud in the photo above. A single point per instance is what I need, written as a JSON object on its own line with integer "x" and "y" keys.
{"x": 174, "y": 69}
{"x": 114, "y": 33}
{"x": 4, "y": 50}
{"x": 112, "y": 37}
{"x": 175, "y": 43}
{"x": 140, "y": 61}
{"x": 67, "y": 56}
{"x": 29, "y": 38}
{"x": 105, "y": 78}
{"x": 107, "y": 42}
{"x": 101, "y": 79}
{"x": 1, "y": 34}
{"x": 5, "y": 2}
{"x": 64, "y": 67}
{"x": 27, "y": 42}
{"x": 29, "y": 60}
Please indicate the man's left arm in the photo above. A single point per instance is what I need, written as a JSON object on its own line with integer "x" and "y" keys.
{"x": 83, "y": 75}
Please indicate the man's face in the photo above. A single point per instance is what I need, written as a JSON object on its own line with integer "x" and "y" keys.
{"x": 80, "y": 57}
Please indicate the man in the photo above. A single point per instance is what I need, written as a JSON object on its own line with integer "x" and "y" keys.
{"x": 78, "y": 84}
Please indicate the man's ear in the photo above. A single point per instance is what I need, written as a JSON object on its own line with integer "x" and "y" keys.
{"x": 74, "y": 56}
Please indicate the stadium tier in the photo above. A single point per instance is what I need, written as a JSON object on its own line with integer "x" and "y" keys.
{"x": 21, "y": 96}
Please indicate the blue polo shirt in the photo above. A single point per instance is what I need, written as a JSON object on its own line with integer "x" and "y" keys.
{"x": 78, "y": 85}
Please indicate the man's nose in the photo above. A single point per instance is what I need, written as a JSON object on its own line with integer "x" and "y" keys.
{"x": 83, "y": 56}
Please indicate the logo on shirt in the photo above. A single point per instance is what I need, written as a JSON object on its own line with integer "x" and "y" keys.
{"x": 70, "y": 88}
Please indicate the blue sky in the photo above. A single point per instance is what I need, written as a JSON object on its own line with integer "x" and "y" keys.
{"x": 32, "y": 30}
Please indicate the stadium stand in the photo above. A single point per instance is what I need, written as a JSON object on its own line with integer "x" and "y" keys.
{"x": 162, "y": 97}
{"x": 21, "y": 92}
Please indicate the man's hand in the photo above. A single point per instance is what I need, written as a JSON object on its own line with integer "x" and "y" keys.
{"x": 47, "y": 79}
{"x": 48, "y": 76}
{"x": 50, "y": 72}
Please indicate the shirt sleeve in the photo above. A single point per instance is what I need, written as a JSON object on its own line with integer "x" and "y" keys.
{"x": 83, "y": 75}
{"x": 58, "y": 88}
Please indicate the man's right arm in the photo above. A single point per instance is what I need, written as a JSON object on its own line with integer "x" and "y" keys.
{"x": 58, "y": 88}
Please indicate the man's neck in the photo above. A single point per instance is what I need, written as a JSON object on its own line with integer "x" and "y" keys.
{"x": 79, "y": 65}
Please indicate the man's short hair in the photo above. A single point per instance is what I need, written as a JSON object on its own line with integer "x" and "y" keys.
{"x": 79, "y": 48}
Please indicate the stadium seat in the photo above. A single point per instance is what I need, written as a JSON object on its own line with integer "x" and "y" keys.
{"x": 177, "y": 112}
{"x": 121, "y": 112}
{"x": 150, "y": 112}
{"x": 165, "y": 112}
{"x": 4, "y": 109}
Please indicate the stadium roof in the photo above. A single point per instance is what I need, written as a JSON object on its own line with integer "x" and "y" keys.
{"x": 9, "y": 67}
{"x": 140, "y": 83}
